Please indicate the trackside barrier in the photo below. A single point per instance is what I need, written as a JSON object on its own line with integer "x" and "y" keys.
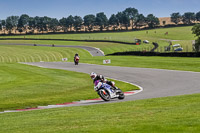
{"x": 169, "y": 54}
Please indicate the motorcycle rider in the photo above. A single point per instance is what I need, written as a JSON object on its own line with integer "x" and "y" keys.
{"x": 96, "y": 77}
{"x": 75, "y": 57}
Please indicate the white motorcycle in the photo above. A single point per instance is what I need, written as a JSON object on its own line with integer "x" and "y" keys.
{"x": 107, "y": 92}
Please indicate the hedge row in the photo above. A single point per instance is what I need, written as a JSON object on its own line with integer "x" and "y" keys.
{"x": 168, "y": 54}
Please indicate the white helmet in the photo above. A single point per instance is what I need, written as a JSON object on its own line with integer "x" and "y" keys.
{"x": 93, "y": 75}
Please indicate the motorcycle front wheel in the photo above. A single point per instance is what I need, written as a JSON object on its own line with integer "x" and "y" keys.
{"x": 76, "y": 63}
{"x": 104, "y": 94}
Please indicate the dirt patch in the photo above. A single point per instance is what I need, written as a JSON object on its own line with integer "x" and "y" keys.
{"x": 166, "y": 20}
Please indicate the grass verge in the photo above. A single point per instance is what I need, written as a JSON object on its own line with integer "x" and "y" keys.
{"x": 170, "y": 63}
{"x": 179, "y": 114}
{"x": 23, "y": 86}
{"x": 13, "y": 53}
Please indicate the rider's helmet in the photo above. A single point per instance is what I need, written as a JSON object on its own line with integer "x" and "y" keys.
{"x": 76, "y": 54}
{"x": 93, "y": 75}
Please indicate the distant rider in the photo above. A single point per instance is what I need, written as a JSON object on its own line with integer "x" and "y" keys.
{"x": 76, "y": 55}
{"x": 96, "y": 77}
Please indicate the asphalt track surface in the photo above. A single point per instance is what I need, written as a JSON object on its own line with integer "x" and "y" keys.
{"x": 155, "y": 82}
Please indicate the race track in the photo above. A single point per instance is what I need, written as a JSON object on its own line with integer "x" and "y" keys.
{"x": 155, "y": 82}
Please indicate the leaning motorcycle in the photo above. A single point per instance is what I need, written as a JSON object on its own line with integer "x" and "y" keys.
{"x": 76, "y": 60}
{"x": 107, "y": 92}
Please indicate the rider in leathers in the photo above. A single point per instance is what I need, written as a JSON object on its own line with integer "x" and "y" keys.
{"x": 75, "y": 57}
{"x": 95, "y": 77}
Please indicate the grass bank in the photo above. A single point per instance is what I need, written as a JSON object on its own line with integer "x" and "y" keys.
{"x": 178, "y": 114}
{"x": 12, "y": 53}
{"x": 170, "y": 63}
{"x": 175, "y": 33}
{"x": 23, "y": 86}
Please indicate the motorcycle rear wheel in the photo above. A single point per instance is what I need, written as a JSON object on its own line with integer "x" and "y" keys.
{"x": 121, "y": 94}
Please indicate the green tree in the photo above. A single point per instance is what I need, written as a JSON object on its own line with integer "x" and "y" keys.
{"x": 23, "y": 23}
{"x": 132, "y": 14}
{"x": 123, "y": 20}
{"x": 53, "y": 25}
{"x": 119, "y": 16}
{"x": 196, "y": 30}
{"x": 89, "y": 21}
{"x": 32, "y": 24}
{"x": 70, "y": 22}
{"x": 78, "y": 21}
{"x": 45, "y": 23}
{"x": 198, "y": 16}
{"x": 176, "y": 17}
{"x": 11, "y": 23}
{"x": 141, "y": 21}
{"x": 101, "y": 20}
{"x": 41, "y": 23}
{"x": 63, "y": 24}
{"x": 152, "y": 21}
{"x": 3, "y": 23}
{"x": 37, "y": 24}
{"x": 188, "y": 17}
{"x": 113, "y": 21}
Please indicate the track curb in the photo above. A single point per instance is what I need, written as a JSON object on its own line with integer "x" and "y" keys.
{"x": 59, "y": 105}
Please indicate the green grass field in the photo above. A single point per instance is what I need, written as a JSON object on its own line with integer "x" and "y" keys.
{"x": 178, "y": 114}
{"x": 108, "y": 48}
{"x": 11, "y": 53}
{"x": 170, "y": 63}
{"x": 178, "y": 33}
{"x": 23, "y": 86}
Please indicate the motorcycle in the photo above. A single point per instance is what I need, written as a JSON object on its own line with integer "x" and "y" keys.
{"x": 76, "y": 60}
{"x": 107, "y": 92}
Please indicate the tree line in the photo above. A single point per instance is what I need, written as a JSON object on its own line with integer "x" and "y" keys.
{"x": 186, "y": 18}
{"x": 130, "y": 17}
{"x": 196, "y": 31}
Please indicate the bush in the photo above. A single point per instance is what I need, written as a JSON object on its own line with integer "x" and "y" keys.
{"x": 197, "y": 45}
